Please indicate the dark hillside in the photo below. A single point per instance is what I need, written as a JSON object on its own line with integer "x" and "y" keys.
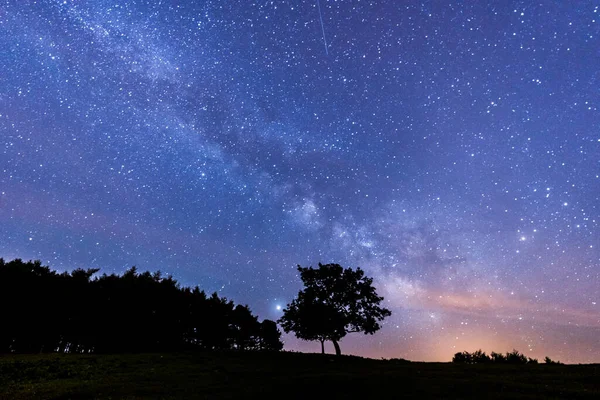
{"x": 224, "y": 375}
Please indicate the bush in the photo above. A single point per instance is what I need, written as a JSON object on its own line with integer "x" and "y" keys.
{"x": 498, "y": 358}
{"x": 480, "y": 357}
{"x": 548, "y": 360}
{"x": 515, "y": 357}
{"x": 462, "y": 358}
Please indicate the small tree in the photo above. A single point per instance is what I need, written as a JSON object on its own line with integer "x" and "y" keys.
{"x": 548, "y": 360}
{"x": 335, "y": 301}
{"x": 462, "y": 358}
{"x": 498, "y": 358}
{"x": 514, "y": 357}
{"x": 479, "y": 357}
{"x": 245, "y": 329}
{"x": 270, "y": 336}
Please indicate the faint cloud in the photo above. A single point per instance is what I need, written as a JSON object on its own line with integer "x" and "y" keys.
{"x": 402, "y": 292}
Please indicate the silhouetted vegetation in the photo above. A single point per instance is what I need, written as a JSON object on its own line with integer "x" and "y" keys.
{"x": 548, "y": 360}
{"x": 335, "y": 301}
{"x": 46, "y": 311}
{"x": 480, "y": 357}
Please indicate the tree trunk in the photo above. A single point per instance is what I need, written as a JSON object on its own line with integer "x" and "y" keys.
{"x": 322, "y": 346}
{"x": 338, "y": 352}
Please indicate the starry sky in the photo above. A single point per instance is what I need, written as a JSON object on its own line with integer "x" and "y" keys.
{"x": 450, "y": 149}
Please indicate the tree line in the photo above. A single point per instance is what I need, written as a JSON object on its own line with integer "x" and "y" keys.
{"x": 79, "y": 312}
{"x": 513, "y": 357}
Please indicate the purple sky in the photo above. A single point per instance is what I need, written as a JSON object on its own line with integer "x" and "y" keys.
{"x": 450, "y": 149}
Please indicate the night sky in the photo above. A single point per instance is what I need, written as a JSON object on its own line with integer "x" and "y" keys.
{"x": 450, "y": 149}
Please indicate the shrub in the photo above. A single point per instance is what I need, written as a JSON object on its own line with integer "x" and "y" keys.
{"x": 498, "y": 358}
{"x": 462, "y": 358}
{"x": 548, "y": 360}
{"x": 515, "y": 357}
{"x": 480, "y": 357}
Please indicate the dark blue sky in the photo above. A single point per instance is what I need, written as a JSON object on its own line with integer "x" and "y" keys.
{"x": 450, "y": 149}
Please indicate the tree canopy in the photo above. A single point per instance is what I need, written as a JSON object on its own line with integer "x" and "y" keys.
{"x": 47, "y": 311}
{"x": 335, "y": 301}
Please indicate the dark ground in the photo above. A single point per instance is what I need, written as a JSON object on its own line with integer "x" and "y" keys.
{"x": 282, "y": 376}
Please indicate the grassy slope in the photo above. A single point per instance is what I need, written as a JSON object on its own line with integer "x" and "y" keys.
{"x": 284, "y": 375}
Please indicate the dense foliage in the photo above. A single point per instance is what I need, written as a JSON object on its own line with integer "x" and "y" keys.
{"x": 335, "y": 301}
{"x": 480, "y": 357}
{"x": 47, "y": 311}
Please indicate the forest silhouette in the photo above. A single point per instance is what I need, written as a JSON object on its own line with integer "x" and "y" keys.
{"x": 77, "y": 312}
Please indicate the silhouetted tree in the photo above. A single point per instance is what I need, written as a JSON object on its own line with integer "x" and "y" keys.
{"x": 270, "y": 336}
{"x": 44, "y": 311}
{"x": 498, "y": 358}
{"x": 479, "y": 357}
{"x": 462, "y": 358}
{"x": 218, "y": 313}
{"x": 548, "y": 360}
{"x": 514, "y": 357}
{"x": 246, "y": 329}
{"x": 334, "y": 302}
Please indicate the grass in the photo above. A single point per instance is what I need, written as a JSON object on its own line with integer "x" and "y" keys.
{"x": 283, "y": 375}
